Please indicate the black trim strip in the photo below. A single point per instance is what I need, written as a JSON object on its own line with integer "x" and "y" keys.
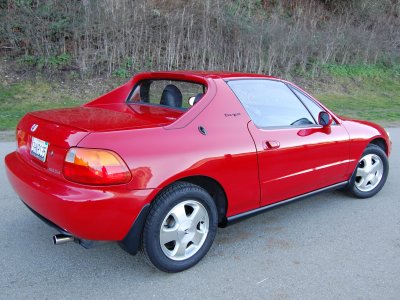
{"x": 236, "y": 218}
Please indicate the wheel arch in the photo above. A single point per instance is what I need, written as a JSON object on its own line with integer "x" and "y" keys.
{"x": 380, "y": 142}
{"x": 131, "y": 242}
{"x": 216, "y": 191}
{"x": 212, "y": 187}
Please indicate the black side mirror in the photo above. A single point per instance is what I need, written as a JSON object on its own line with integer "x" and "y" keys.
{"x": 324, "y": 119}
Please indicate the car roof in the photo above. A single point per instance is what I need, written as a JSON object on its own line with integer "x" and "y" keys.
{"x": 208, "y": 74}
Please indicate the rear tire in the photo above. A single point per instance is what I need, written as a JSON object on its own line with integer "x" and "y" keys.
{"x": 370, "y": 174}
{"x": 180, "y": 227}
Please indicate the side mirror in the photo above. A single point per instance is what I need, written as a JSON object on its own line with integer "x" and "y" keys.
{"x": 324, "y": 119}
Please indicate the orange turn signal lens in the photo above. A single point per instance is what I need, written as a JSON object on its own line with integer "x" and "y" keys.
{"x": 95, "y": 167}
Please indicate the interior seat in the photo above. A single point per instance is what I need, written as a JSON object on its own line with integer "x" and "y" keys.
{"x": 171, "y": 96}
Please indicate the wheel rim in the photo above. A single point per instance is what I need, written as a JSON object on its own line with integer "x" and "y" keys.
{"x": 184, "y": 230}
{"x": 369, "y": 172}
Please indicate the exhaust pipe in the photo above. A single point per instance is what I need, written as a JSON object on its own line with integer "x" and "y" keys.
{"x": 59, "y": 239}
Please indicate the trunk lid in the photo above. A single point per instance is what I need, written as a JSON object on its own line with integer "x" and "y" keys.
{"x": 44, "y": 137}
{"x": 109, "y": 117}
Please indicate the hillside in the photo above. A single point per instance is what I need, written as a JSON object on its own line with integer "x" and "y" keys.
{"x": 119, "y": 37}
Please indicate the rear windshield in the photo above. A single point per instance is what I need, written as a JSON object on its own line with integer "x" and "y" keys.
{"x": 167, "y": 93}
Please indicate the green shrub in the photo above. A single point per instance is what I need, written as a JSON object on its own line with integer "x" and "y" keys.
{"x": 121, "y": 73}
{"x": 361, "y": 70}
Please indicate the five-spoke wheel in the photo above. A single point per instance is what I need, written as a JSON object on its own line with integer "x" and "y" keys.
{"x": 371, "y": 172}
{"x": 184, "y": 230}
{"x": 180, "y": 227}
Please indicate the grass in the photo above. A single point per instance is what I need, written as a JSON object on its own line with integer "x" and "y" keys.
{"x": 20, "y": 98}
{"x": 373, "y": 100}
{"x": 370, "y": 93}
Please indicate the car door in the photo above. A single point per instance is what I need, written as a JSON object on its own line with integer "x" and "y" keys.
{"x": 295, "y": 154}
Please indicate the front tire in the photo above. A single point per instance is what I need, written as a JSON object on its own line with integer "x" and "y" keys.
{"x": 370, "y": 174}
{"x": 180, "y": 227}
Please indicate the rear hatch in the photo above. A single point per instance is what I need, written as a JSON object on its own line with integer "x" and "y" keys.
{"x": 44, "y": 137}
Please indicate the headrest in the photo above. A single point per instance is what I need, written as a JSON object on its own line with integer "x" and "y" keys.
{"x": 171, "y": 96}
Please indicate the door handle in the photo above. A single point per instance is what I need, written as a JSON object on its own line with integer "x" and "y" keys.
{"x": 268, "y": 145}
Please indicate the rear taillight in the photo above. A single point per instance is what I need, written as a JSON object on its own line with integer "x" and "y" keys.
{"x": 21, "y": 138}
{"x": 95, "y": 166}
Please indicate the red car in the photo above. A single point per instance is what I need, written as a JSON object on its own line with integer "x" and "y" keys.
{"x": 163, "y": 160}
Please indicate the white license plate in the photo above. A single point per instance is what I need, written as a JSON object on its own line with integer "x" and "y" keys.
{"x": 39, "y": 149}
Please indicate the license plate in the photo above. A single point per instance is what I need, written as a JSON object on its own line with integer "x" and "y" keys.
{"x": 39, "y": 149}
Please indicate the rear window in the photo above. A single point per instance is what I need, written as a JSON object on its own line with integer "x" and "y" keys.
{"x": 167, "y": 93}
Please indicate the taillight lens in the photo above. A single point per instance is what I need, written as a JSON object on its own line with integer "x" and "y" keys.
{"x": 95, "y": 166}
{"x": 21, "y": 139}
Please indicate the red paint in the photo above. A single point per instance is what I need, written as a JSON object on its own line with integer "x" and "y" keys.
{"x": 255, "y": 167}
{"x": 302, "y": 163}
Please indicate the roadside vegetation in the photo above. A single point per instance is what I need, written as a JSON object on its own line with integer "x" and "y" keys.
{"x": 63, "y": 53}
{"x": 119, "y": 37}
{"x": 17, "y": 99}
{"x": 369, "y": 92}
{"x": 19, "y": 95}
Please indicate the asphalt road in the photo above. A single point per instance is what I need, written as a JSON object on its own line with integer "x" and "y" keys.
{"x": 329, "y": 246}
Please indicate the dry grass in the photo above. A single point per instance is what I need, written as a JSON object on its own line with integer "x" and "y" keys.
{"x": 120, "y": 37}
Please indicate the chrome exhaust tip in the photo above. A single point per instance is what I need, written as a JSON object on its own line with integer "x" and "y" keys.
{"x": 59, "y": 239}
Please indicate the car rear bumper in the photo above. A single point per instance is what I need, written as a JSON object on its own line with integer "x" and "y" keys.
{"x": 86, "y": 212}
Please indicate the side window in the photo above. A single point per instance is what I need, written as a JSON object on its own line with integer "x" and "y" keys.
{"x": 170, "y": 93}
{"x": 271, "y": 103}
{"x": 313, "y": 107}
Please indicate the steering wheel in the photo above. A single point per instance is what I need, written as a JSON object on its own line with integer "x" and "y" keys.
{"x": 302, "y": 121}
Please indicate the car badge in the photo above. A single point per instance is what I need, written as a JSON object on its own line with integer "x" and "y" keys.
{"x": 34, "y": 127}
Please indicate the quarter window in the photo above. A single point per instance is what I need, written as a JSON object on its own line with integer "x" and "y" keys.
{"x": 271, "y": 103}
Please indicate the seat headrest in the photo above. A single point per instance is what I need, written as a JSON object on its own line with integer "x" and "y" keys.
{"x": 171, "y": 96}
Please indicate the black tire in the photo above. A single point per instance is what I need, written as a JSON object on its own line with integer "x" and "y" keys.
{"x": 377, "y": 156}
{"x": 168, "y": 202}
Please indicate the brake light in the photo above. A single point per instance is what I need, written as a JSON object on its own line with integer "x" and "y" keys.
{"x": 95, "y": 166}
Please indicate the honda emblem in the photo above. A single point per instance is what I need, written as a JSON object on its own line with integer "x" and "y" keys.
{"x": 34, "y": 127}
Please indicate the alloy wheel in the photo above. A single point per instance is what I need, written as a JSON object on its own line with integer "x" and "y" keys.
{"x": 369, "y": 172}
{"x": 184, "y": 230}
